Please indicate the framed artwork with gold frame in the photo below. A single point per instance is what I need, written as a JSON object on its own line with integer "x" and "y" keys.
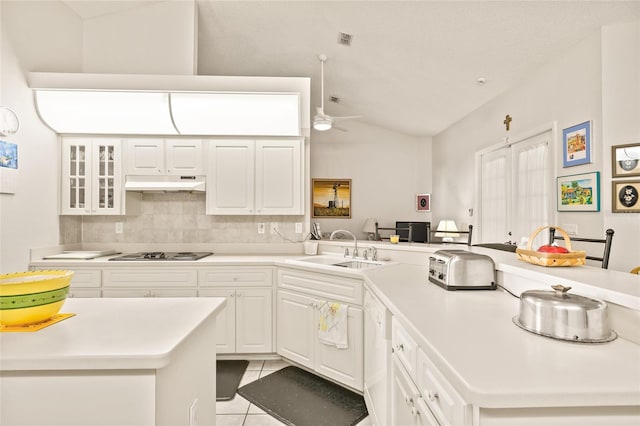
{"x": 625, "y": 196}
{"x": 331, "y": 198}
{"x": 625, "y": 160}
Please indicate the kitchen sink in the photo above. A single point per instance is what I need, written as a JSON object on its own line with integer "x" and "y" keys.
{"x": 329, "y": 260}
{"x": 356, "y": 264}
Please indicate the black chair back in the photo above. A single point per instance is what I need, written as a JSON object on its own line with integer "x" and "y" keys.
{"x": 604, "y": 259}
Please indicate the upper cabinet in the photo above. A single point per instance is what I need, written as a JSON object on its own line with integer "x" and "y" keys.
{"x": 150, "y": 156}
{"x": 91, "y": 177}
{"x": 248, "y": 177}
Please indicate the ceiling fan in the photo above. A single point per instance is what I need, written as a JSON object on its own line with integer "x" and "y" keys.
{"x": 323, "y": 121}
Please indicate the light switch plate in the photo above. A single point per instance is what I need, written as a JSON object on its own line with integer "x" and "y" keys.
{"x": 571, "y": 228}
{"x": 119, "y": 227}
{"x": 298, "y": 228}
{"x": 261, "y": 228}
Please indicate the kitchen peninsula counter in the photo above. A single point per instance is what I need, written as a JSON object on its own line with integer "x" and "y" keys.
{"x": 117, "y": 361}
{"x": 492, "y": 363}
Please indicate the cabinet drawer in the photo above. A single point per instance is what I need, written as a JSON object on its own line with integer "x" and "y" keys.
{"x": 159, "y": 277}
{"x": 324, "y": 286}
{"x": 82, "y": 277}
{"x": 403, "y": 346}
{"x": 444, "y": 401}
{"x": 146, "y": 292}
{"x": 83, "y": 292}
{"x": 235, "y": 277}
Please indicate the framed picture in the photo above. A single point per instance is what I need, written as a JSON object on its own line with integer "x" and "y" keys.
{"x": 625, "y": 195}
{"x": 331, "y": 198}
{"x": 579, "y": 193}
{"x": 576, "y": 145}
{"x": 423, "y": 202}
{"x": 625, "y": 160}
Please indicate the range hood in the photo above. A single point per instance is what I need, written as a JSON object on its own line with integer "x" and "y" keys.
{"x": 164, "y": 183}
{"x": 81, "y": 103}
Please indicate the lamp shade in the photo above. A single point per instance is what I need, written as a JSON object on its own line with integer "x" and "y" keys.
{"x": 447, "y": 228}
{"x": 369, "y": 226}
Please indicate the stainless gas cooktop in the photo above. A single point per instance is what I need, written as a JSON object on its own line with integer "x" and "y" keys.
{"x": 162, "y": 255}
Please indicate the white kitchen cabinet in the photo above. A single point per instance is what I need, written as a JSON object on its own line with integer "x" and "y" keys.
{"x": 84, "y": 282}
{"x": 245, "y": 325}
{"x": 295, "y": 327}
{"x": 419, "y": 387}
{"x": 91, "y": 178}
{"x": 300, "y": 296}
{"x": 176, "y": 157}
{"x": 248, "y": 177}
{"x": 407, "y": 406}
{"x": 149, "y": 282}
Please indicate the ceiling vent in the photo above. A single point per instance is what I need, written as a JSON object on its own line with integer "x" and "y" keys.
{"x": 344, "y": 39}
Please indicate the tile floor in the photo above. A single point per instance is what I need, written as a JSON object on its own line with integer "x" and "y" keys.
{"x": 240, "y": 412}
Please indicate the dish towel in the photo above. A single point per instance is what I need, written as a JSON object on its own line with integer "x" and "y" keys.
{"x": 332, "y": 328}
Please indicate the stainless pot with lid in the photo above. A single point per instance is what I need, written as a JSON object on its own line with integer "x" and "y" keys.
{"x": 564, "y": 316}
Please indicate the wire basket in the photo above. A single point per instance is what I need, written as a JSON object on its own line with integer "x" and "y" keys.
{"x": 573, "y": 258}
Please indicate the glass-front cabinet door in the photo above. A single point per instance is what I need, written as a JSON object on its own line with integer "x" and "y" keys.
{"x": 91, "y": 176}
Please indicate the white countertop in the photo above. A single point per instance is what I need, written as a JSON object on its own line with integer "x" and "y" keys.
{"x": 127, "y": 333}
{"x": 491, "y": 362}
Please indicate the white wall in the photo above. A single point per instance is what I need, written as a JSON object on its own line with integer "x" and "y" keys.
{"x": 387, "y": 169}
{"x": 35, "y": 36}
{"x": 576, "y": 87}
{"x": 620, "y": 125}
{"x": 156, "y": 38}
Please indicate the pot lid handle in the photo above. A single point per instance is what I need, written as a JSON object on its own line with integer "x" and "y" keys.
{"x": 560, "y": 289}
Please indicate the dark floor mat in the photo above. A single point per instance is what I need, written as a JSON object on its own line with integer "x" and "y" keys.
{"x": 299, "y": 398}
{"x": 228, "y": 376}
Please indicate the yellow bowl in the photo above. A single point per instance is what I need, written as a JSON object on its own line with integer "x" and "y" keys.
{"x": 32, "y": 297}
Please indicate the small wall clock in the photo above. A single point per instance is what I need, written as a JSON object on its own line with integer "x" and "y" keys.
{"x": 9, "y": 122}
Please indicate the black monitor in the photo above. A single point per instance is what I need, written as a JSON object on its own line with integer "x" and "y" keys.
{"x": 418, "y": 235}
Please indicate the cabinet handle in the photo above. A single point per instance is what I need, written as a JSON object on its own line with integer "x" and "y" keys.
{"x": 433, "y": 396}
{"x": 408, "y": 400}
{"x": 414, "y": 411}
{"x": 400, "y": 347}
{"x": 232, "y": 295}
{"x": 239, "y": 294}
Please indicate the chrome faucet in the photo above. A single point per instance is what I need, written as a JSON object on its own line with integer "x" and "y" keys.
{"x": 374, "y": 256}
{"x": 355, "y": 240}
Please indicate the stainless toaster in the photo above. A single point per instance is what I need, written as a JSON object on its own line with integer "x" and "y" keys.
{"x": 462, "y": 270}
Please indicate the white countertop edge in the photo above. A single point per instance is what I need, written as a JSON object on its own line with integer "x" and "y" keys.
{"x": 108, "y": 360}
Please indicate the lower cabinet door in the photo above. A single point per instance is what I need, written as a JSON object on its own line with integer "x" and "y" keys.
{"x": 404, "y": 395}
{"x": 295, "y": 327}
{"x": 225, "y": 321}
{"x": 254, "y": 320}
{"x": 344, "y": 365}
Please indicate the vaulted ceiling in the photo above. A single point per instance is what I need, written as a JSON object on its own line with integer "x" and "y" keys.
{"x": 412, "y": 66}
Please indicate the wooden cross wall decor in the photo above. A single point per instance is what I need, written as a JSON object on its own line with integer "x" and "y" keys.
{"x": 507, "y": 121}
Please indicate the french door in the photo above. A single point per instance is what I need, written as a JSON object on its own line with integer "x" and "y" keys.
{"x": 516, "y": 189}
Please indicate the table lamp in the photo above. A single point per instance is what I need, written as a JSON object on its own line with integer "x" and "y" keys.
{"x": 447, "y": 230}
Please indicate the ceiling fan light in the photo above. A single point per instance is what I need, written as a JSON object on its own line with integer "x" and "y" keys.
{"x": 322, "y": 124}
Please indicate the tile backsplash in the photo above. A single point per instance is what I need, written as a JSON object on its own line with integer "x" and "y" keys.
{"x": 176, "y": 218}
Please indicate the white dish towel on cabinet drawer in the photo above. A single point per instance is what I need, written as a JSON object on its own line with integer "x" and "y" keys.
{"x": 332, "y": 327}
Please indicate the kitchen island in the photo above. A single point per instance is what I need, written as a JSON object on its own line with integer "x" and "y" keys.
{"x": 473, "y": 365}
{"x": 136, "y": 361}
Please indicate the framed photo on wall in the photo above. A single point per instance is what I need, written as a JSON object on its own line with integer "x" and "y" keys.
{"x": 576, "y": 145}
{"x": 423, "y": 202}
{"x": 625, "y": 160}
{"x": 624, "y": 194}
{"x": 579, "y": 193}
{"x": 331, "y": 198}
